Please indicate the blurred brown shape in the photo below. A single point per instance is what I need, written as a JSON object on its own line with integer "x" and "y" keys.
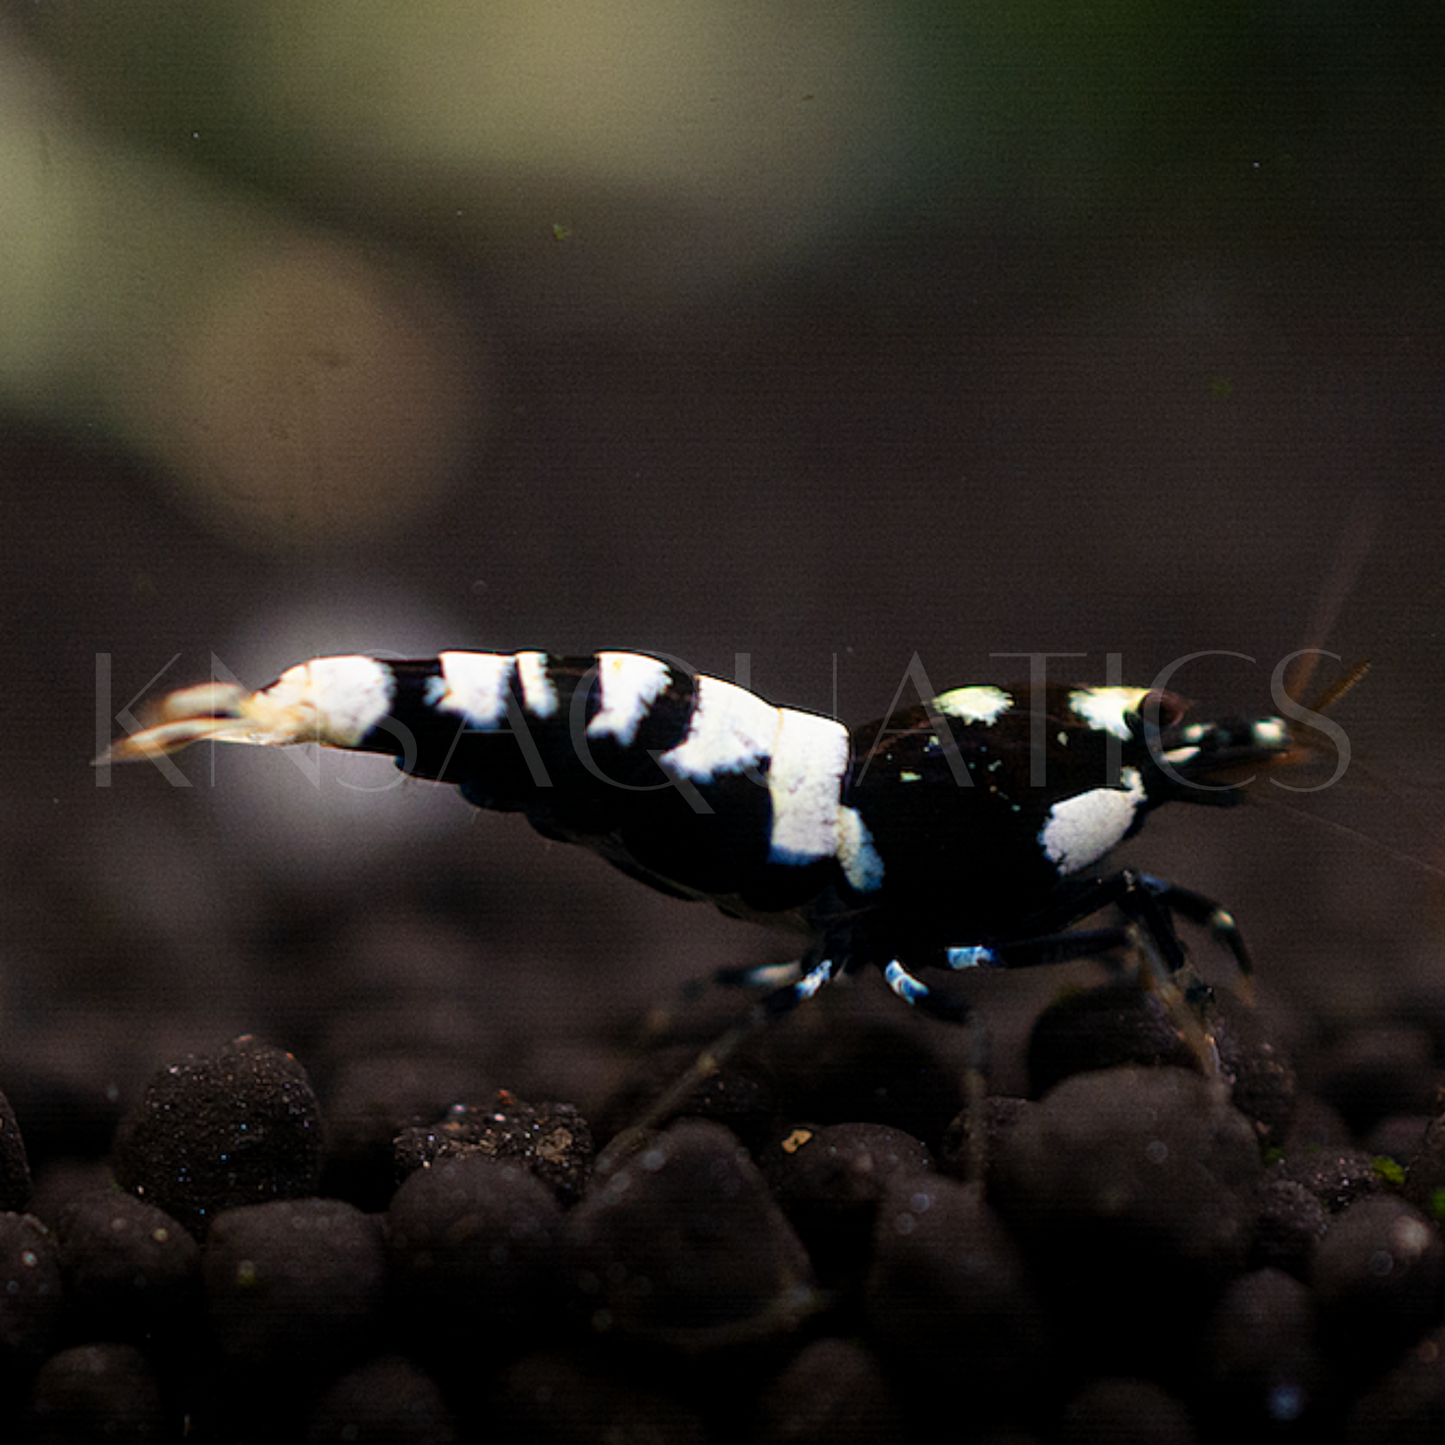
{"x": 309, "y": 397}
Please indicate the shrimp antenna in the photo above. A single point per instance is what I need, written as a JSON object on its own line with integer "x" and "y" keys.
{"x": 1354, "y": 546}
{"x": 1341, "y": 685}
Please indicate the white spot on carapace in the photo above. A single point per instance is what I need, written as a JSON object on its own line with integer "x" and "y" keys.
{"x": 974, "y": 704}
{"x": 1271, "y": 732}
{"x": 1082, "y": 829}
{"x": 628, "y": 684}
{"x": 731, "y": 729}
{"x": 473, "y": 685}
{"x": 1109, "y": 709}
{"x": 861, "y": 865}
{"x": 805, "y": 778}
{"x": 539, "y": 692}
{"x": 1177, "y": 757}
{"x": 336, "y": 700}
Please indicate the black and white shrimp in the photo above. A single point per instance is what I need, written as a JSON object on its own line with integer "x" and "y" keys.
{"x": 970, "y": 830}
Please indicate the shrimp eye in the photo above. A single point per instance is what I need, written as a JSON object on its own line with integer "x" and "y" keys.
{"x": 1162, "y": 709}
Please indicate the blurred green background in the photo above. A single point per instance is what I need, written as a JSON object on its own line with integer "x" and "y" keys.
{"x": 826, "y": 334}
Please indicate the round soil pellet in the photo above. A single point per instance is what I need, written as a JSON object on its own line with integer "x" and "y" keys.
{"x": 240, "y": 1126}
{"x": 832, "y": 1392}
{"x": 1372, "y": 1073}
{"x": 386, "y": 1401}
{"x": 1406, "y": 1405}
{"x": 99, "y": 1392}
{"x": 1288, "y": 1224}
{"x": 131, "y": 1271}
{"x": 1261, "y": 1356}
{"x": 829, "y": 1182}
{"x": 32, "y": 1299}
{"x": 1125, "y": 1411}
{"x": 294, "y": 1283}
{"x": 1099, "y": 1028}
{"x": 680, "y": 1242}
{"x": 1377, "y": 1276}
{"x": 948, "y": 1300}
{"x": 471, "y": 1243}
{"x": 557, "y": 1397}
{"x": 1136, "y": 1186}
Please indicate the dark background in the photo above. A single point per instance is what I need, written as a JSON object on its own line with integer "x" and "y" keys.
{"x": 825, "y": 334}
